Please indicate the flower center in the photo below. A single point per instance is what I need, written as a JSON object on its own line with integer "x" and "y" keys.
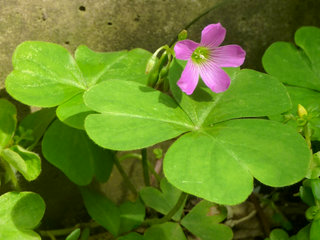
{"x": 200, "y": 55}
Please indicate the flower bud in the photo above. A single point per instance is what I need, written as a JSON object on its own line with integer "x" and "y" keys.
{"x": 153, "y": 78}
{"x": 183, "y": 35}
{"x": 151, "y": 63}
{"x": 302, "y": 111}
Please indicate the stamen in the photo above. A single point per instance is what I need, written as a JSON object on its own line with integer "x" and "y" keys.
{"x": 200, "y": 55}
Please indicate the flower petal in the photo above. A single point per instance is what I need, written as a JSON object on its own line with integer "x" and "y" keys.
{"x": 184, "y": 49}
{"x": 228, "y": 56}
{"x": 214, "y": 77}
{"x": 213, "y": 35}
{"x": 189, "y": 78}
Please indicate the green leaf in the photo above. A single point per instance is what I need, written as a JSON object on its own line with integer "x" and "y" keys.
{"x": 279, "y": 234}
{"x": 310, "y": 100}
{"x": 132, "y": 236}
{"x": 74, "y": 235}
{"x": 20, "y": 213}
{"x": 71, "y": 151}
{"x": 36, "y": 122}
{"x": 306, "y": 97}
{"x": 290, "y": 65}
{"x": 306, "y": 194}
{"x": 165, "y": 231}
{"x": 123, "y": 65}
{"x": 97, "y": 67}
{"x": 8, "y": 122}
{"x": 45, "y": 75}
{"x": 103, "y": 164}
{"x": 308, "y": 39}
{"x": 303, "y": 234}
{"x": 242, "y": 99}
{"x": 298, "y": 68}
{"x": 94, "y": 65}
{"x": 315, "y": 187}
{"x": 74, "y": 112}
{"x": 132, "y": 116}
{"x": 85, "y": 234}
{"x": 314, "y": 167}
{"x": 131, "y": 215}
{"x": 315, "y": 230}
{"x": 203, "y": 221}
{"x": 24, "y": 161}
{"x": 102, "y": 210}
{"x": 230, "y": 154}
{"x": 163, "y": 201}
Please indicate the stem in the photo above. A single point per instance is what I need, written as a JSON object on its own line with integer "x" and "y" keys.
{"x": 306, "y": 133}
{"x": 170, "y": 214}
{"x": 66, "y": 231}
{"x": 233, "y": 222}
{"x": 124, "y": 175}
{"x": 262, "y": 218}
{"x": 145, "y": 169}
{"x": 130, "y": 155}
{"x": 165, "y": 47}
{"x": 178, "y": 205}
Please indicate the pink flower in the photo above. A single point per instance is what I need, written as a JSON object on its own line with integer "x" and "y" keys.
{"x": 206, "y": 59}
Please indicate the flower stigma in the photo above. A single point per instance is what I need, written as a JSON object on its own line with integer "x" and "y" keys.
{"x": 200, "y": 55}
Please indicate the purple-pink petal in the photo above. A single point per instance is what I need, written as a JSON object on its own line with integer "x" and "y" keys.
{"x": 189, "y": 78}
{"x": 213, "y": 35}
{"x": 184, "y": 49}
{"x": 228, "y": 56}
{"x": 214, "y": 77}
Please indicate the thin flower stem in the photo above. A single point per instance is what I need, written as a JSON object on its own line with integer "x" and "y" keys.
{"x": 145, "y": 167}
{"x": 165, "y": 47}
{"x": 306, "y": 133}
{"x": 124, "y": 175}
{"x": 170, "y": 214}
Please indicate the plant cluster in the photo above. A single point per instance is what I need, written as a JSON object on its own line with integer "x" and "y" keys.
{"x": 236, "y": 126}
